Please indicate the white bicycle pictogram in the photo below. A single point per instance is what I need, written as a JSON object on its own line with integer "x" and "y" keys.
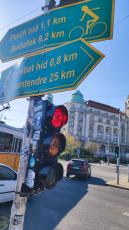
{"x": 94, "y": 28}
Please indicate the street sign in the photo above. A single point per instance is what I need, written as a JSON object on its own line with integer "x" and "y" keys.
{"x": 58, "y": 70}
{"x": 89, "y": 19}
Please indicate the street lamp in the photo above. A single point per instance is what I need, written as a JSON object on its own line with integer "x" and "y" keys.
{"x": 118, "y": 157}
{"x": 108, "y": 150}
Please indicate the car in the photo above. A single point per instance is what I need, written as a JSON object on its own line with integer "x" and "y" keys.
{"x": 8, "y": 179}
{"x": 78, "y": 167}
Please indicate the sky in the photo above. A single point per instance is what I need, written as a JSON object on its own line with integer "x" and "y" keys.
{"x": 107, "y": 83}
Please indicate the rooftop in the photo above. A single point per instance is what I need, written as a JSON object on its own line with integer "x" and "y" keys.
{"x": 101, "y": 106}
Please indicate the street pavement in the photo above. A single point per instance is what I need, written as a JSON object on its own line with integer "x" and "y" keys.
{"x": 123, "y": 181}
{"x": 78, "y": 204}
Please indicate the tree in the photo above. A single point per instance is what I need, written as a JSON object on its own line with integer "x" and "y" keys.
{"x": 91, "y": 147}
{"x": 71, "y": 143}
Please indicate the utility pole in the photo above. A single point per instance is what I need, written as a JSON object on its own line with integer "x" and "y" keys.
{"x": 118, "y": 158}
{"x": 128, "y": 171}
{"x": 20, "y": 201}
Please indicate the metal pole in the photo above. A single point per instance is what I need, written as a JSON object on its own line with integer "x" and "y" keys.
{"x": 118, "y": 158}
{"x": 19, "y": 203}
{"x": 108, "y": 152}
{"x": 128, "y": 172}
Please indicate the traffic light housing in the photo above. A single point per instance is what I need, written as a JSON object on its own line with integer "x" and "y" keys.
{"x": 44, "y": 170}
{"x": 68, "y": 2}
{"x": 116, "y": 151}
{"x": 47, "y": 123}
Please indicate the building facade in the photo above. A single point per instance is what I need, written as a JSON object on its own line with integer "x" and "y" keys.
{"x": 91, "y": 121}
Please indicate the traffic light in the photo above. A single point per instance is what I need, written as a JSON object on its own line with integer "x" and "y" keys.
{"x": 51, "y": 144}
{"x": 68, "y": 2}
{"x": 44, "y": 170}
{"x": 116, "y": 151}
{"x": 52, "y": 4}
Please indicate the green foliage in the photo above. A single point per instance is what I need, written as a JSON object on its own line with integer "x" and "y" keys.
{"x": 87, "y": 152}
{"x": 91, "y": 147}
{"x": 71, "y": 143}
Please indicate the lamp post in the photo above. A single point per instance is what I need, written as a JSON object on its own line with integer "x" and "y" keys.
{"x": 108, "y": 151}
{"x": 118, "y": 158}
{"x": 78, "y": 147}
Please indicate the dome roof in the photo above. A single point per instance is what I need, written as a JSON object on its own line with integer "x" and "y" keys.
{"x": 77, "y": 97}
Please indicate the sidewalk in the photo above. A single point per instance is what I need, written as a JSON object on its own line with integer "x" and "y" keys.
{"x": 123, "y": 183}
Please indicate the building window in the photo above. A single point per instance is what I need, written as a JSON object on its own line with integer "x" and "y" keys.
{"x": 115, "y": 123}
{"x": 71, "y": 122}
{"x": 100, "y": 132}
{"x": 97, "y": 112}
{"x": 90, "y": 110}
{"x": 91, "y": 119}
{"x": 115, "y": 135}
{"x": 115, "y": 139}
{"x": 108, "y": 133}
{"x": 79, "y": 130}
{"x": 100, "y": 119}
{"x": 102, "y": 148}
{"x": 79, "y": 133}
{"x": 80, "y": 124}
{"x": 115, "y": 131}
{"x": 70, "y": 131}
{"x": 91, "y": 126}
{"x": 122, "y": 133}
{"x": 5, "y": 142}
{"x": 71, "y": 115}
{"x": 108, "y": 121}
{"x": 91, "y": 130}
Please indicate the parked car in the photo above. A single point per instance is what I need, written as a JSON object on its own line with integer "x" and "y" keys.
{"x": 8, "y": 178}
{"x": 79, "y": 167}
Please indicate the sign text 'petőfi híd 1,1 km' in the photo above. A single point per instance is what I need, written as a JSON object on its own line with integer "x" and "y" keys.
{"x": 91, "y": 19}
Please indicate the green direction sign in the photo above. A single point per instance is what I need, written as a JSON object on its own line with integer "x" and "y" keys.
{"x": 91, "y": 20}
{"x": 59, "y": 69}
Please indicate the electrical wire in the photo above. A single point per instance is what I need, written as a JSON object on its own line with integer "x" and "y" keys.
{"x": 31, "y": 12}
{"x": 13, "y": 22}
{"x": 123, "y": 19}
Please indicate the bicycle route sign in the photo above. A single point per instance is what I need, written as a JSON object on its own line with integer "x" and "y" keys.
{"x": 91, "y": 20}
{"x": 57, "y": 70}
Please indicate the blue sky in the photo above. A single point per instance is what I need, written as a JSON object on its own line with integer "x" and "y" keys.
{"x": 108, "y": 83}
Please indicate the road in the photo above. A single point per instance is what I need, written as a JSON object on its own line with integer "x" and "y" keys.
{"x": 78, "y": 204}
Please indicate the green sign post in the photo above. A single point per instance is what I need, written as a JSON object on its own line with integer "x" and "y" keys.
{"x": 91, "y": 20}
{"x": 57, "y": 70}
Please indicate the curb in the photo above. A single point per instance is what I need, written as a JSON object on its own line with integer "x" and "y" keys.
{"x": 117, "y": 186}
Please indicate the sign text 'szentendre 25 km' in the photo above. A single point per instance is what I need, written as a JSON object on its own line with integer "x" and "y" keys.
{"x": 60, "y": 69}
{"x": 91, "y": 20}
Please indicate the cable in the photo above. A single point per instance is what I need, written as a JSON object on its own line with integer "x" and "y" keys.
{"x": 19, "y": 18}
{"x": 123, "y": 19}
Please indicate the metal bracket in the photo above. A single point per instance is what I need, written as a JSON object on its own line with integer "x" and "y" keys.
{"x": 5, "y": 107}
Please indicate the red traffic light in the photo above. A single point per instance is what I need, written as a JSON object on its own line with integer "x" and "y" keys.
{"x": 60, "y": 117}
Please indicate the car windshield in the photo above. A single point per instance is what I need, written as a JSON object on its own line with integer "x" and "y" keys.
{"x": 78, "y": 163}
